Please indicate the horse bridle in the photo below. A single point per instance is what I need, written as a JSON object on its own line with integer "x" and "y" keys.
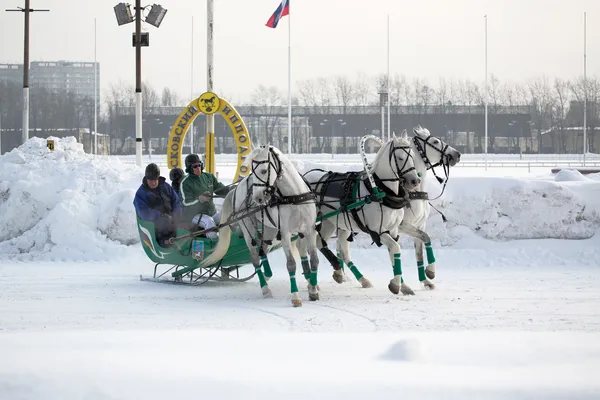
{"x": 400, "y": 171}
{"x": 444, "y": 159}
{"x": 269, "y": 189}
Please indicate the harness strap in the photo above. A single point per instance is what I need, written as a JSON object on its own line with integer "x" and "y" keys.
{"x": 418, "y": 196}
{"x": 391, "y": 200}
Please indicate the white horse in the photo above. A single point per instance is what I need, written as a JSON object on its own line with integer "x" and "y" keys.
{"x": 284, "y": 206}
{"x": 392, "y": 169}
{"x": 430, "y": 152}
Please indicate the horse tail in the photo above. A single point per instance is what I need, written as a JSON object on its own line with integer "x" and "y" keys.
{"x": 224, "y": 234}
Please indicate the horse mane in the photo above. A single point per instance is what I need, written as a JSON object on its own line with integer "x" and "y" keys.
{"x": 398, "y": 141}
{"x": 421, "y": 130}
{"x": 256, "y": 151}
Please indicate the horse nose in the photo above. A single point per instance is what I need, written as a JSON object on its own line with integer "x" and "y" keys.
{"x": 415, "y": 182}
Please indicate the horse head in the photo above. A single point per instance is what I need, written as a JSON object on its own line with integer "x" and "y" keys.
{"x": 434, "y": 150}
{"x": 265, "y": 167}
{"x": 395, "y": 162}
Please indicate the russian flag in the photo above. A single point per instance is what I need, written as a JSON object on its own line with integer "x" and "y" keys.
{"x": 282, "y": 11}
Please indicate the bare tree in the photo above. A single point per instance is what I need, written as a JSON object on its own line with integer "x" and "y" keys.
{"x": 170, "y": 98}
{"x": 362, "y": 91}
{"x": 269, "y": 100}
{"x": 542, "y": 102}
{"x": 561, "y": 93}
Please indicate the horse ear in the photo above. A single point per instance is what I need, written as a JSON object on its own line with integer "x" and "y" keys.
{"x": 250, "y": 156}
{"x": 404, "y": 134}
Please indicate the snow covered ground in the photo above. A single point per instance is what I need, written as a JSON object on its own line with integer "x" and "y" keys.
{"x": 516, "y": 311}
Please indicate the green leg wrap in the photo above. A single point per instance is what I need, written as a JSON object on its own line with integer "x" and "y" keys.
{"x": 264, "y": 262}
{"x": 397, "y": 264}
{"x": 305, "y": 267}
{"x": 429, "y": 250}
{"x": 421, "y": 269}
{"x": 313, "y": 278}
{"x": 355, "y": 270}
{"x": 340, "y": 261}
{"x": 261, "y": 277}
{"x": 293, "y": 285}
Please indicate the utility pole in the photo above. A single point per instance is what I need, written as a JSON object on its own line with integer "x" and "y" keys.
{"x": 26, "y": 11}
{"x": 585, "y": 87}
{"x": 154, "y": 18}
{"x": 485, "y": 145}
{"x": 210, "y": 119}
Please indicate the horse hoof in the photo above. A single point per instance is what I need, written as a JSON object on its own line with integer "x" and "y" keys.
{"x": 428, "y": 285}
{"x": 430, "y": 273}
{"x": 339, "y": 278}
{"x": 313, "y": 296}
{"x": 267, "y": 294}
{"x": 297, "y": 302}
{"x": 394, "y": 288}
{"x": 406, "y": 290}
{"x": 365, "y": 283}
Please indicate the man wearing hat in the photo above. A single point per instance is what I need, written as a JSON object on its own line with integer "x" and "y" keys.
{"x": 156, "y": 201}
{"x": 197, "y": 190}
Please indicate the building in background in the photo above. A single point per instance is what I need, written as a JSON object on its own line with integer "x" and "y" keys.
{"x": 67, "y": 76}
{"x": 11, "y": 73}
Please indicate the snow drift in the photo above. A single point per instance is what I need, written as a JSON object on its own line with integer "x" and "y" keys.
{"x": 66, "y": 204}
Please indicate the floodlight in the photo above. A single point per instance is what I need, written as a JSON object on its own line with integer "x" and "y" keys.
{"x": 123, "y": 14}
{"x": 156, "y": 15}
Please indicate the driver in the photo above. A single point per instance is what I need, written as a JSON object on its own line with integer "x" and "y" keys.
{"x": 197, "y": 190}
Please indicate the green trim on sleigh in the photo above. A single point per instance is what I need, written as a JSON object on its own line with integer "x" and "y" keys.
{"x": 180, "y": 253}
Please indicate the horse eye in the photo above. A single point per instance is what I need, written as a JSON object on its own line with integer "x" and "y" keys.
{"x": 263, "y": 172}
{"x": 436, "y": 141}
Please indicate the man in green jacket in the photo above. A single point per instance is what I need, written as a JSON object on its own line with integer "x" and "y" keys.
{"x": 197, "y": 189}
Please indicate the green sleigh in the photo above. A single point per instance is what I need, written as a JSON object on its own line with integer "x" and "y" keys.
{"x": 182, "y": 260}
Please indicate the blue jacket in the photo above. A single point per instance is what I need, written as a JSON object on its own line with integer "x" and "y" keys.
{"x": 151, "y": 204}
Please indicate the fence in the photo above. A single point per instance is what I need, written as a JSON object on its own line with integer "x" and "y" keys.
{"x": 528, "y": 161}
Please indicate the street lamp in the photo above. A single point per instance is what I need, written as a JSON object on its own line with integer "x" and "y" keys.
{"x": 26, "y": 11}
{"x": 124, "y": 16}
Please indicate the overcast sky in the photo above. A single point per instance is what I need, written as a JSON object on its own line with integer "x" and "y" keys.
{"x": 429, "y": 39}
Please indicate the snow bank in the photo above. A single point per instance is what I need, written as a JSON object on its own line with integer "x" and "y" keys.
{"x": 65, "y": 204}
{"x": 69, "y": 205}
{"x": 564, "y": 206}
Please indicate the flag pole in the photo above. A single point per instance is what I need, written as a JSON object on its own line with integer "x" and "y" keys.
{"x": 389, "y": 136}
{"x": 192, "y": 85}
{"x": 289, "y": 81}
{"x": 485, "y": 145}
{"x": 584, "y": 88}
{"x": 95, "y": 94}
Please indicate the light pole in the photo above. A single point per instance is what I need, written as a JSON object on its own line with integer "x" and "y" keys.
{"x": 210, "y": 119}
{"x": 149, "y": 122}
{"x": 154, "y": 18}
{"x": 584, "y": 87}
{"x": 26, "y": 11}
{"x": 383, "y": 100}
{"x": 485, "y": 145}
